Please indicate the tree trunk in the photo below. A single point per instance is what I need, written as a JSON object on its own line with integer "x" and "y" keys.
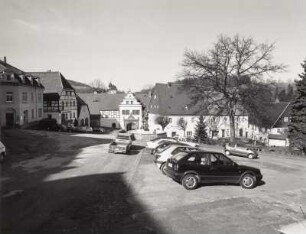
{"x": 232, "y": 127}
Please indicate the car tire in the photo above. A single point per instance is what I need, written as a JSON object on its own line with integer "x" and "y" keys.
{"x": 163, "y": 167}
{"x": 1, "y": 157}
{"x": 190, "y": 182}
{"x": 251, "y": 156}
{"x": 227, "y": 153}
{"x": 248, "y": 181}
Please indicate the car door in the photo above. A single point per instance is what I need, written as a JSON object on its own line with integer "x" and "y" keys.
{"x": 222, "y": 169}
{"x": 203, "y": 167}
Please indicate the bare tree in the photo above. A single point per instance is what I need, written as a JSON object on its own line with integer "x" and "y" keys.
{"x": 216, "y": 77}
{"x": 163, "y": 121}
{"x": 97, "y": 84}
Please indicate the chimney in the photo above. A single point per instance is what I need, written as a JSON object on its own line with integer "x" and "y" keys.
{"x": 4, "y": 59}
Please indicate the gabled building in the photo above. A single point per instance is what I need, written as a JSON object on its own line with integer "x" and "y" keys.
{"x": 120, "y": 110}
{"x": 60, "y": 100}
{"x": 83, "y": 113}
{"x": 172, "y": 101}
{"x": 21, "y": 96}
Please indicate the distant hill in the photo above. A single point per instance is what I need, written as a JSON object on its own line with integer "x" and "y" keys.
{"x": 81, "y": 87}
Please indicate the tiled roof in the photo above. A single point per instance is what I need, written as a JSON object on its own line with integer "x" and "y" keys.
{"x": 13, "y": 74}
{"x": 80, "y": 103}
{"x": 143, "y": 98}
{"x": 54, "y": 82}
{"x": 173, "y": 99}
{"x": 103, "y": 101}
{"x": 273, "y": 111}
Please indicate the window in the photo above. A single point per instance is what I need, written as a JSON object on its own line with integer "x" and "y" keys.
{"x": 135, "y": 112}
{"x": 126, "y": 102}
{"x": 223, "y": 133}
{"x": 32, "y": 113}
{"x": 9, "y": 96}
{"x": 204, "y": 159}
{"x": 24, "y": 97}
{"x": 32, "y": 97}
{"x": 131, "y": 102}
{"x": 73, "y": 103}
{"x": 189, "y": 133}
{"x": 39, "y": 95}
{"x": 170, "y": 120}
{"x": 191, "y": 159}
{"x": 286, "y": 119}
{"x": 219, "y": 159}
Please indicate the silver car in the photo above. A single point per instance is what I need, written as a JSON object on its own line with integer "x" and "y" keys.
{"x": 240, "y": 150}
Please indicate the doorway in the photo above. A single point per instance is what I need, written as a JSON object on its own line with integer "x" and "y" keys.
{"x": 10, "y": 120}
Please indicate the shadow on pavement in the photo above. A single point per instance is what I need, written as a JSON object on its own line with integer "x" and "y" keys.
{"x": 100, "y": 203}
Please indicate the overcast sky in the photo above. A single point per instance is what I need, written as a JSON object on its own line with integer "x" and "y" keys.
{"x": 136, "y": 43}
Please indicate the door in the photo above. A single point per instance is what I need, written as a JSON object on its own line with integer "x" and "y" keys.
{"x": 9, "y": 117}
{"x": 25, "y": 117}
{"x": 223, "y": 169}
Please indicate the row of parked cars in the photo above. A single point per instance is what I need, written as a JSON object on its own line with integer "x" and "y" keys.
{"x": 52, "y": 125}
{"x": 191, "y": 166}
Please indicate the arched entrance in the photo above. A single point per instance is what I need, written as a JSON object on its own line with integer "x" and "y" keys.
{"x": 113, "y": 125}
{"x": 86, "y": 122}
{"x": 131, "y": 126}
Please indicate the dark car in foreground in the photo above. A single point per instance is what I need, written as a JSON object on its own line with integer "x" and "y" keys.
{"x": 193, "y": 168}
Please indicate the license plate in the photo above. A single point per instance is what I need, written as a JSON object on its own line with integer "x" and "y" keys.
{"x": 170, "y": 164}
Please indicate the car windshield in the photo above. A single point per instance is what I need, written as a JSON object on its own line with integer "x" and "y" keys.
{"x": 179, "y": 155}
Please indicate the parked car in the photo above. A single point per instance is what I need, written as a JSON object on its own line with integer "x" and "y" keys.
{"x": 164, "y": 145}
{"x": 157, "y": 141}
{"x": 193, "y": 168}
{"x": 162, "y": 157}
{"x": 122, "y": 143}
{"x": 99, "y": 130}
{"x": 85, "y": 129}
{"x": 48, "y": 124}
{"x": 239, "y": 149}
{"x": 187, "y": 141}
{"x": 2, "y": 152}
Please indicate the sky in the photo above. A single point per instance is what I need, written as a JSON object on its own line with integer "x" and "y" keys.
{"x": 134, "y": 44}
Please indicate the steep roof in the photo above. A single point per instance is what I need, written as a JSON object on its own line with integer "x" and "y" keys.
{"x": 173, "y": 99}
{"x": 80, "y": 103}
{"x": 102, "y": 102}
{"x": 274, "y": 111}
{"x": 144, "y": 98}
{"x": 54, "y": 82}
{"x": 14, "y": 75}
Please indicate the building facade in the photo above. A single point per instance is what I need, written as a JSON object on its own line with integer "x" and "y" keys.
{"x": 60, "y": 100}
{"x": 118, "y": 110}
{"x": 172, "y": 101}
{"x": 21, "y": 97}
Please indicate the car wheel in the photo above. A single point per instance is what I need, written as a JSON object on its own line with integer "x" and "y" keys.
{"x": 250, "y": 156}
{"x": 1, "y": 157}
{"x": 163, "y": 167}
{"x": 248, "y": 181}
{"x": 190, "y": 182}
{"x": 227, "y": 153}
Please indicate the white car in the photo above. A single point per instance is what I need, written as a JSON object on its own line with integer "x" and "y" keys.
{"x": 184, "y": 140}
{"x": 155, "y": 142}
{"x": 2, "y": 152}
{"x": 161, "y": 158}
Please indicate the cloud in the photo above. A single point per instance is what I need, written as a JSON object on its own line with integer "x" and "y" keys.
{"x": 26, "y": 24}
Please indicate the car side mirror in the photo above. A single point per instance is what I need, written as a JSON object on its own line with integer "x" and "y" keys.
{"x": 234, "y": 164}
